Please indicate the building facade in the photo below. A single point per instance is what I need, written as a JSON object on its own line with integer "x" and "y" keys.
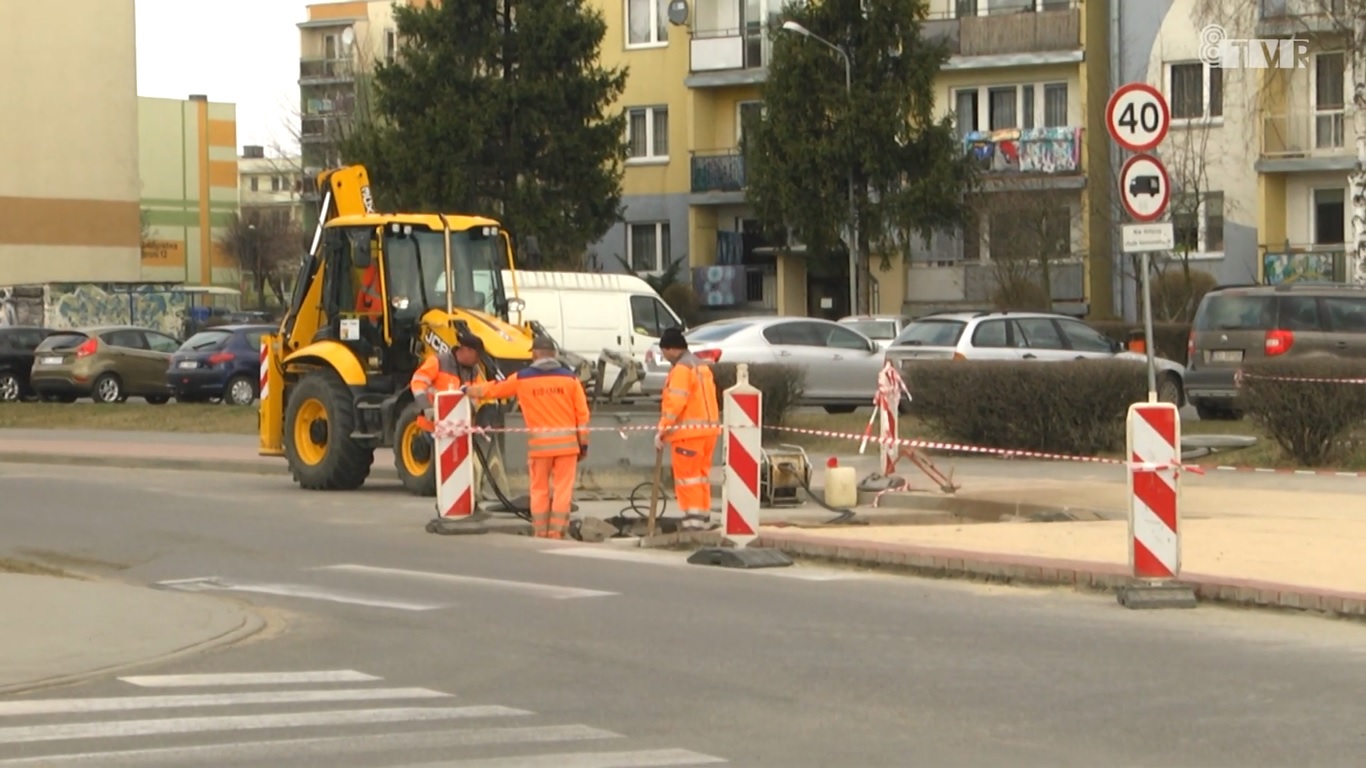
{"x": 70, "y": 147}
{"x": 189, "y": 190}
{"x": 271, "y": 186}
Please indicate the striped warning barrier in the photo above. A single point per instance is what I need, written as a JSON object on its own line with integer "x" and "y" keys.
{"x": 1154, "y": 452}
{"x": 264, "y": 385}
{"x": 742, "y": 407}
{"x": 454, "y": 462}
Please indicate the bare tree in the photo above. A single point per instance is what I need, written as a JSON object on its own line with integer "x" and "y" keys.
{"x": 265, "y": 245}
{"x": 1029, "y": 232}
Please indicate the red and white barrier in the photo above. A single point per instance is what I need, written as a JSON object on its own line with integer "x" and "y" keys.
{"x": 1154, "y": 452}
{"x": 264, "y": 386}
{"x": 741, "y": 415}
{"x": 454, "y": 459}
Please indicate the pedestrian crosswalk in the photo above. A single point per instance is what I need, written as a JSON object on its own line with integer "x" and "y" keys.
{"x": 345, "y": 718}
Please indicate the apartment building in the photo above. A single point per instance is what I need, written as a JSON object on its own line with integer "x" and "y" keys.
{"x": 339, "y": 44}
{"x": 70, "y": 144}
{"x": 271, "y": 186}
{"x": 1019, "y": 84}
{"x": 1307, "y": 147}
{"x": 188, "y": 159}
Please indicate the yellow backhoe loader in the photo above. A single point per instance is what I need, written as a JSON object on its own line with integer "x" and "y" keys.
{"x": 375, "y": 294}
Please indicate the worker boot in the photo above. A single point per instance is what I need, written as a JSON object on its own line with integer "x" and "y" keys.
{"x": 698, "y": 522}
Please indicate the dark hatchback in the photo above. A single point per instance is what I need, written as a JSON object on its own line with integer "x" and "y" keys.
{"x": 16, "y": 360}
{"x": 218, "y": 363}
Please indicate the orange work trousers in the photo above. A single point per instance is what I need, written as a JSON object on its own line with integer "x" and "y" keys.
{"x": 550, "y": 506}
{"x": 691, "y": 460}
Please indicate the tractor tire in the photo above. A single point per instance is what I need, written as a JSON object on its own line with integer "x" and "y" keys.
{"x": 414, "y": 453}
{"x": 319, "y": 420}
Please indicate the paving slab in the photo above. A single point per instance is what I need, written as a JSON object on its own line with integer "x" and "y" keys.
{"x": 62, "y": 630}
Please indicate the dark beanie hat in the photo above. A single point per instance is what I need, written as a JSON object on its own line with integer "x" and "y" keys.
{"x": 473, "y": 342}
{"x": 672, "y": 338}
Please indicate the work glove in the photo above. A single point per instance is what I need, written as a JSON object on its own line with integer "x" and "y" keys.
{"x": 430, "y": 413}
{"x": 659, "y": 441}
{"x": 583, "y": 450}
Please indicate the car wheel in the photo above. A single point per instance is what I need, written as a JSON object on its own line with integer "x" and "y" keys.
{"x": 1169, "y": 390}
{"x": 157, "y": 399}
{"x": 240, "y": 390}
{"x": 107, "y": 389}
{"x": 10, "y": 391}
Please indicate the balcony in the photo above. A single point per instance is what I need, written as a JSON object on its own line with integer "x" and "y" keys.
{"x": 1046, "y": 34}
{"x": 975, "y": 283}
{"x": 725, "y": 57}
{"x": 326, "y": 71}
{"x": 718, "y": 177}
{"x": 1304, "y": 263}
{"x": 1307, "y": 141}
{"x": 1290, "y": 18}
{"x": 1033, "y": 158}
{"x": 314, "y": 129}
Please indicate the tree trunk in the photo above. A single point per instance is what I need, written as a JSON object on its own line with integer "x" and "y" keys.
{"x": 1355, "y": 255}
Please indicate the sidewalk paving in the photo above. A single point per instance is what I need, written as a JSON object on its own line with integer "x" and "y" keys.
{"x": 75, "y": 629}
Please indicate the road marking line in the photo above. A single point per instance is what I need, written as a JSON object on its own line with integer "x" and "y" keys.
{"x": 240, "y": 753}
{"x": 128, "y": 703}
{"x": 251, "y": 678}
{"x": 550, "y": 591}
{"x": 121, "y": 728}
{"x": 629, "y": 556}
{"x": 639, "y": 759}
{"x": 303, "y": 591}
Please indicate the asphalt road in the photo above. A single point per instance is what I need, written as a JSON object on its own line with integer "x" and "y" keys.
{"x": 499, "y": 651}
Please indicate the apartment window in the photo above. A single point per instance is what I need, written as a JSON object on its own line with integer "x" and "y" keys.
{"x": 390, "y": 45}
{"x": 276, "y": 183}
{"x": 647, "y": 133}
{"x": 647, "y": 246}
{"x": 1001, "y": 108}
{"x": 1198, "y": 221}
{"x": 1055, "y": 105}
{"x": 746, "y": 113}
{"x": 965, "y": 111}
{"x": 255, "y": 184}
{"x": 1195, "y": 91}
{"x": 331, "y": 47}
{"x": 1330, "y": 96}
{"x": 1027, "y": 106}
{"x": 1045, "y": 233}
{"x": 647, "y": 22}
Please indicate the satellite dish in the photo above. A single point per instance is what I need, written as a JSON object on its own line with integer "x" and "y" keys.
{"x": 348, "y": 37}
{"x": 678, "y": 12}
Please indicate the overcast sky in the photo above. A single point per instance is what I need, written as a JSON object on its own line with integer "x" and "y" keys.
{"x": 240, "y": 51}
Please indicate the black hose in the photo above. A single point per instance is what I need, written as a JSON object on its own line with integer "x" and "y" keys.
{"x": 514, "y": 509}
{"x": 842, "y": 515}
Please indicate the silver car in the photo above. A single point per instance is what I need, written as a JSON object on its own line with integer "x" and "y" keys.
{"x": 880, "y": 328}
{"x": 841, "y": 364}
{"x": 1020, "y": 336}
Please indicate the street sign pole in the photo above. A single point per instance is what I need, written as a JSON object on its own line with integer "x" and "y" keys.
{"x": 1148, "y": 325}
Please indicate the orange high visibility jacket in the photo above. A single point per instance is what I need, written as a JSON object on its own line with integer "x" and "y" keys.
{"x": 553, "y": 404}
{"x": 441, "y": 372}
{"x": 368, "y": 300}
{"x": 689, "y": 408}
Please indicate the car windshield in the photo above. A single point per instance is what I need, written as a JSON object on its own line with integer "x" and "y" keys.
{"x": 417, "y": 271}
{"x": 62, "y": 341}
{"x": 878, "y": 330}
{"x": 1233, "y": 312}
{"x": 206, "y": 340}
{"x": 931, "y": 333}
{"x": 714, "y": 332}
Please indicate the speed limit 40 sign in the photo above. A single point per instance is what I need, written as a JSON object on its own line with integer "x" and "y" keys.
{"x": 1137, "y": 117}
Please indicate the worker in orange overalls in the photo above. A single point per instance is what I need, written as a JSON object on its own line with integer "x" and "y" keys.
{"x": 450, "y": 370}
{"x": 556, "y": 411}
{"x": 689, "y": 425}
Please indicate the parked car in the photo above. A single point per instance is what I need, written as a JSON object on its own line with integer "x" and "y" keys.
{"x": 1019, "y": 336}
{"x": 108, "y": 364}
{"x": 1237, "y": 325}
{"x": 218, "y": 363}
{"x": 16, "y": 360}
{"x": 841, "y": 364}
{"x": 879, "y": 328}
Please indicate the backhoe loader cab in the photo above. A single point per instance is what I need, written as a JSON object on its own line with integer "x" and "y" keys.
{"x": 376, "y": 294}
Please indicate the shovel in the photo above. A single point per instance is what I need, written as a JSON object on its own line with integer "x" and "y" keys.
{"x": 654, "y": 492}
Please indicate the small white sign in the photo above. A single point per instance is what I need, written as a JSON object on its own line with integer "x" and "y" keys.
{"x": 827, "y": 303}
{"x": 1156, "y": 236}
{"x": 350, "y": 329}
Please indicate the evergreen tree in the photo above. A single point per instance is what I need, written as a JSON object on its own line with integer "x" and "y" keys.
{"x": 500, "y": 108}
{"x": 910, "y": 173}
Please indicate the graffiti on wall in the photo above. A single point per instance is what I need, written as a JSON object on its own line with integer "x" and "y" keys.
{"x": 77, "y": 305}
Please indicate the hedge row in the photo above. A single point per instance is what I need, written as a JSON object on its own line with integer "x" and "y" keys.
{"x": 782, "y": 387}
{"x": 1314, "y": 422}
{"x": 1168, "y": 338}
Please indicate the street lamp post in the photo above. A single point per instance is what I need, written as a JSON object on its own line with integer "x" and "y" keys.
{"x": 792, "y": 26}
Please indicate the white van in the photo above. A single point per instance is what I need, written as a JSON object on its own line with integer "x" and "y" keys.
{"x": 588, "y": 312}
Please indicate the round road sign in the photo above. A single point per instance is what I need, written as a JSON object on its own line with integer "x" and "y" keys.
{"x": 1144, "y": 187}
{"x": 1137, "y": 117}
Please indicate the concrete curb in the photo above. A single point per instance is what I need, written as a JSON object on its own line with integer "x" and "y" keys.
{"x": 983, "y": 510}
{"x": 1079, "y": 574}
{"x": 252, "y": 623}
